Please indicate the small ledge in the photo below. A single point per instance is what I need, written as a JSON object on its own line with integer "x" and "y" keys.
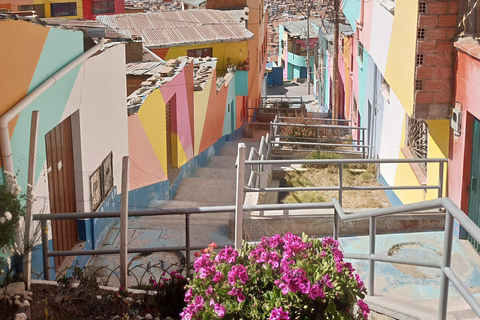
{"x": 469, "y": 46}
{"x": 417, "y": 170}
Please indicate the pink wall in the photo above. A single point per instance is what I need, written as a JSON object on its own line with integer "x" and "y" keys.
{"x": 367, "y": 24}
{"x": 467, "y": 94}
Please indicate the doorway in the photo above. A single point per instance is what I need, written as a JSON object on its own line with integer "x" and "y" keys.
{"x": 61, "y": 184}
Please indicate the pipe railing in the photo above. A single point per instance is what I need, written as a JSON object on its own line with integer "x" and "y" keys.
{"x": 452, "y": 212}
{"x": 340, "y": 163}
{"x": 356, "y": 144}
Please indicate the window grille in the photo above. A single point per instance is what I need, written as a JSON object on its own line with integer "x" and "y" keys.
{"x": 417, "y": 140}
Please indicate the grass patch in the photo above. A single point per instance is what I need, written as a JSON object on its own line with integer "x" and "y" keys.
{"x": 355, "y": 174}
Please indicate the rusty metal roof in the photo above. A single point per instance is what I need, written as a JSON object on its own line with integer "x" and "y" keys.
{"x": 176, "y": 28}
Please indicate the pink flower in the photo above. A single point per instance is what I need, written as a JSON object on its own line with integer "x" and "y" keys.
{"x": 218, "y": 276}
{"x": 364, "y": 308}
{"x": 209, "y": 291}
{"x": 188, "y": 295}
{"x": 315, "y": 292}
{"x": 219, "y": 309}
{"x": 237, "y": 272}
{"x": 237, "y": 293}
{"x": 228, "y": 254}
{"x": 279, "y": 314}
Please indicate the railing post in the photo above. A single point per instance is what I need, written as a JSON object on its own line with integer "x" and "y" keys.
{"x": 440, "y": 180}
{"x": 46, "y": 262}
{"x": 371, "y": 251}
{"x": 240, "y": 196}
{"x": 336, "y": 223}
{"x": 27, "y": 243}
{"x": 446, "y": 262}
{"x": 187, "y": 241}
{"x": 363, "y": 143}
{"x": 318, "y": 139}
{"x": 124, "y": 225}
{"x": 340, "y": 183}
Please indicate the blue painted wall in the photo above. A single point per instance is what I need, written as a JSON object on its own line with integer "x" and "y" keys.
{"x": 351, "y": 10}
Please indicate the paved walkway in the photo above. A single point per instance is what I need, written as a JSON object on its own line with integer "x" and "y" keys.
{"x": 213, "y": 185}
{"x": 418, "y": 286}
{"x": 295, "y": 89}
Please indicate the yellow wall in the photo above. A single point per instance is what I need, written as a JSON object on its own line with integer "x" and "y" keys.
{"x": 48, "y": 13}
{"x": 237, "y": 51}
{"x": 400, "y": 71}
{"x": 152, "y": 116}
{"x": 438, "y": 140}
{"x": 200, "y": 113}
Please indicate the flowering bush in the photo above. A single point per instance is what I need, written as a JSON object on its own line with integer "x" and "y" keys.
{"x": 11, "y": 211}
{"x": 280, "y": 278}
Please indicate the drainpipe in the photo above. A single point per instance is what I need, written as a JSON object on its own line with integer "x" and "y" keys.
{"x": 22, "y": 104}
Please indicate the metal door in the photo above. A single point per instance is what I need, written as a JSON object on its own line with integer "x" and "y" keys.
{"x": 61, "y": 184}
{"x": 474, "y": 195}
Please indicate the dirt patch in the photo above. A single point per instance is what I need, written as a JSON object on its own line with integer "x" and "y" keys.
{"x": 328, "y": 177}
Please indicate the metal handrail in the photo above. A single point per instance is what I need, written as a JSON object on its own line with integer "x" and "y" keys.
{"x": 262, "y": 154}
{"x": 451, "y": 212}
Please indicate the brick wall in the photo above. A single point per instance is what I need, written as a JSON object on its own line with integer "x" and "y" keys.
{"x": 134, "y": 82}
{"x": 225, "y": 4}
{"x": 434, "y": 69}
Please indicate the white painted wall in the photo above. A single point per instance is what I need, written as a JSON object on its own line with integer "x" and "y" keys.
{"x": 381, "y": 33}
{"x": 100, "y": 127}
{"x": 393, "y": 122}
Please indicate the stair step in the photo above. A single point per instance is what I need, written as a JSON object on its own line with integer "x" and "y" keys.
{"x": 222, "y": 162}
{"x": 215, "y": 173}
{"x": 207, "y": 191}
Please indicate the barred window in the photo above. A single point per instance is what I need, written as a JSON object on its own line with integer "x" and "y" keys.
{"x": 417, "y": 139}
{"x": 101, "y": 182}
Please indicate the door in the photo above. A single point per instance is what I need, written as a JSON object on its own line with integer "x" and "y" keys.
{"x": 61, "y": 184}
{"x": 474, "y": 194}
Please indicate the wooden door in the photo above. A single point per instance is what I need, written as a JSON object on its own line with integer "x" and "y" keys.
{"x": 474, "y": 195}
{"x": 61, "y": 184}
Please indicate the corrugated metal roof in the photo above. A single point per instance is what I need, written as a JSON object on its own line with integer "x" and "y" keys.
{"x": 299, "y": 29}
{"x": 93, "y": 28}
{"x": 144, "y": 68}
{"x": 173, "y": 28}
{"x": 195, "y": 3}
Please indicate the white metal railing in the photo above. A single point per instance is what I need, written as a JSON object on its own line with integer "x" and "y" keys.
{"x": 452, "y": 212}
{"x": 358, "y": 146}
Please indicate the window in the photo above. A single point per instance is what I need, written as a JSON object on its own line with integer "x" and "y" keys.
{"x": 417, "y": 140}
{"x": 63, "y": 9}
{"x": 38, "y": 8}
{"x": 360, "y": 51}
{"x": 200, "y": 53}
{"x": 101, "y": 182}
{"x": 99, "y": 7}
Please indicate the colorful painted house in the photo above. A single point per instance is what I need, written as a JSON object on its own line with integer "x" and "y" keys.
{"x": 86, "y": 99}
{"x": 235, "y": 37}
{"x": 464, "y": 163}
{"x": 346, "y": 64}
{"x": 182, "y": 114}
{"x": 402, "y": 84}
{"x": 70, "y": 9}
{"x": 293, "y": 48}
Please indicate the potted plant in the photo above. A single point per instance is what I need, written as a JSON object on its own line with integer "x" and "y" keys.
{"x": 280, "y": 278}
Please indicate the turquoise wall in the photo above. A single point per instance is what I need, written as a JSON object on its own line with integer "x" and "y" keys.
{"x": 362, "y": 87}
{"x": 351, "y": 10}
{"x": 241, "y": 83}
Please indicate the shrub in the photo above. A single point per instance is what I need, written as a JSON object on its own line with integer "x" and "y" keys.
{"x": 280, "y": 278}
{"x": 169, "y": 292}
{"x": 11, "y": 211}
